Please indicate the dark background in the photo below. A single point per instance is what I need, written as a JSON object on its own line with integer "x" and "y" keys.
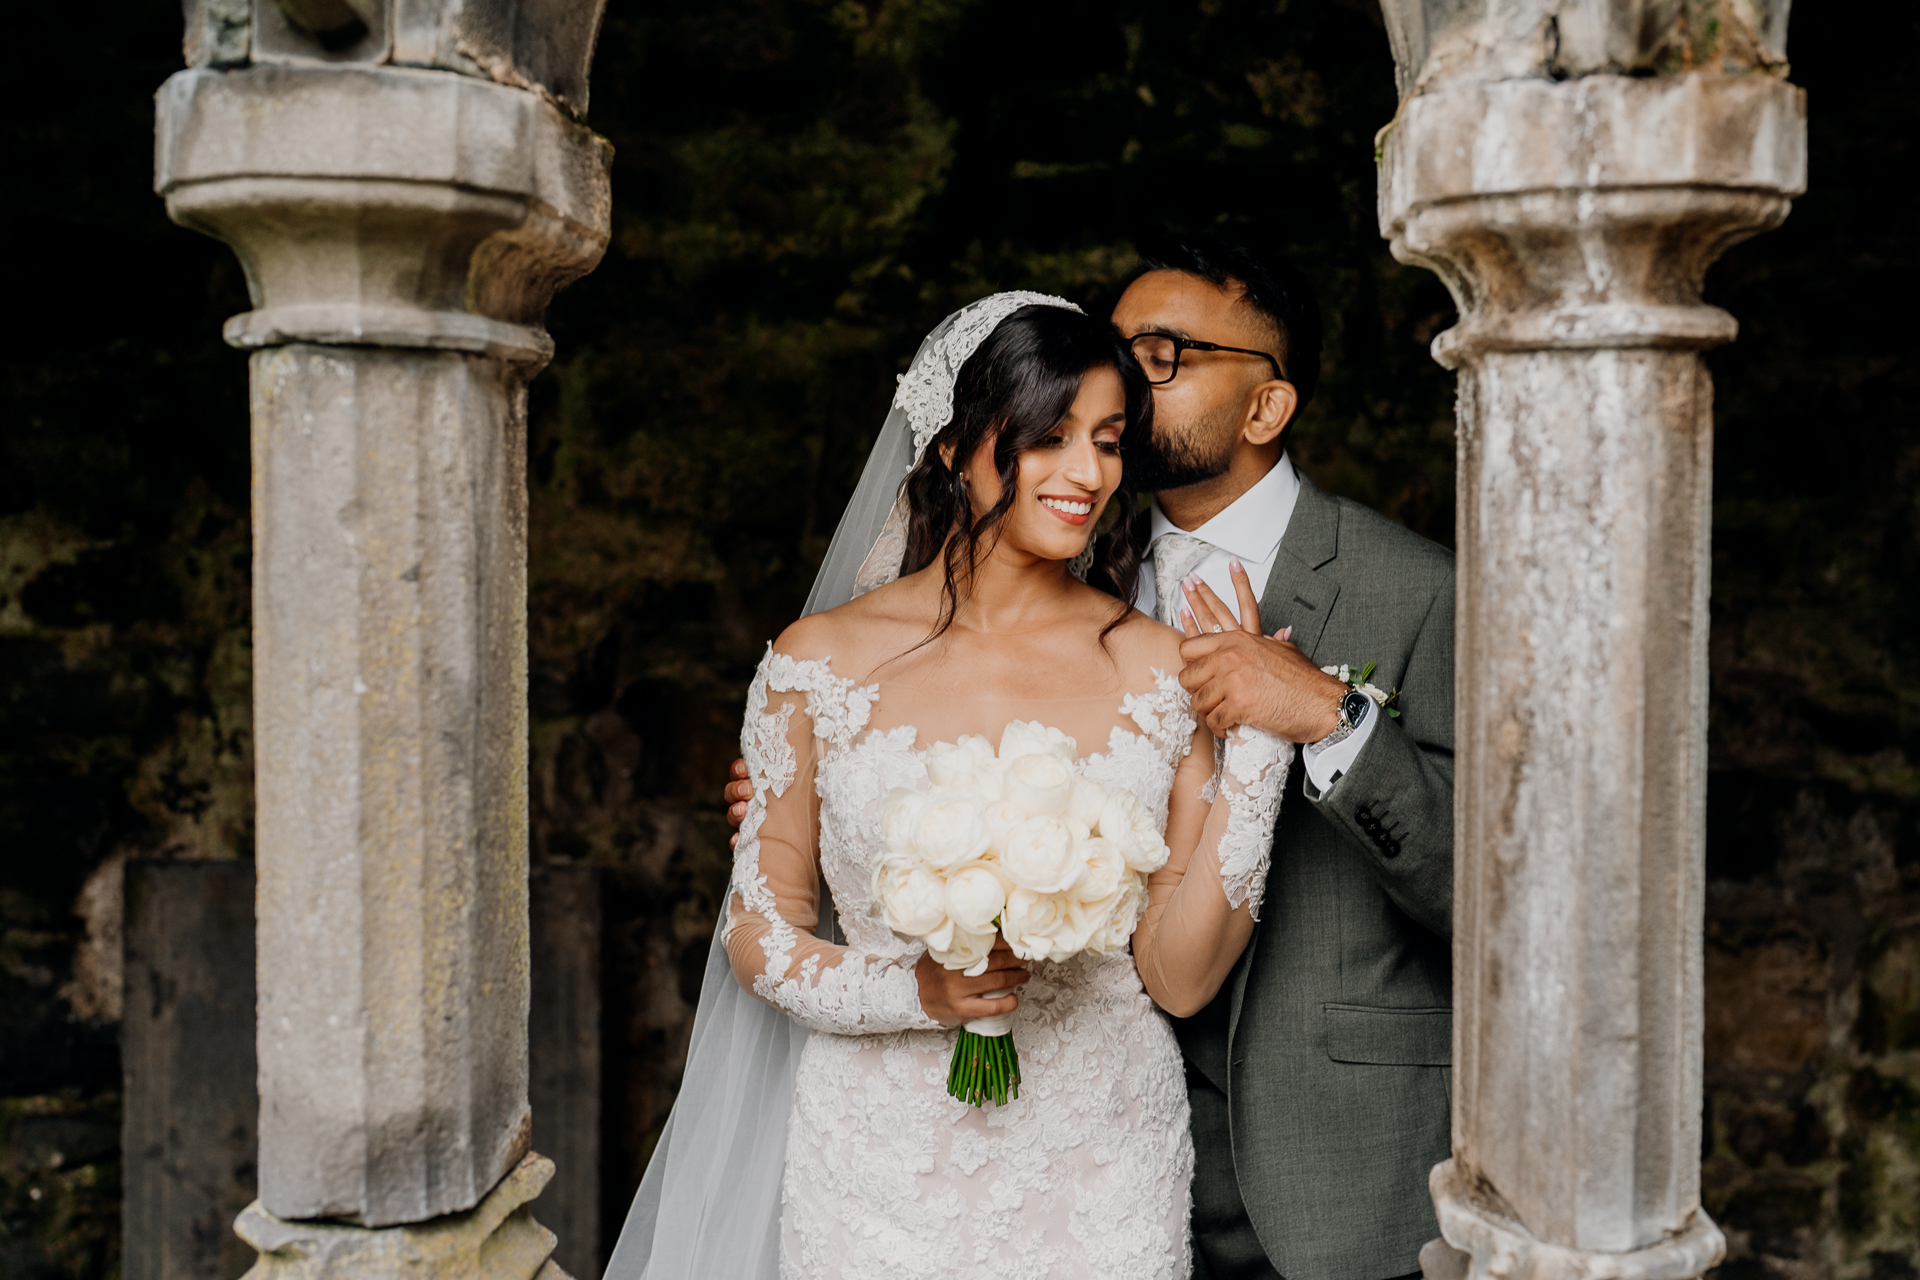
{"x": 802, "y": 188}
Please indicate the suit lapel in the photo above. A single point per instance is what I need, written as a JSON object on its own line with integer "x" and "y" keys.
{"x": 1297, "y": 595}
{"x": 1301, "y": 597}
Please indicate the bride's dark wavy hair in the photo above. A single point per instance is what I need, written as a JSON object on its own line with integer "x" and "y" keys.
{"x": 1015, "y": 389}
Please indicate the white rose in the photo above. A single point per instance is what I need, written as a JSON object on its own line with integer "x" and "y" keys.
{"x": 1078, "y": 927}
{"x": 966, "y": 951}
{"x": 978, "y": 749}
{"x": 1002, "y": 817}
{"x": 1030, "y": 922}
{"x": 949, "y": 765}
{"x": 1126, "y": 822}
{"x": 1086, "y": 801}
{"x": 912, "y": 899}
{"x": 898, "y": 814}
{"x": 975, "y": 895}
{"x": 1040, "y": 784}
{"x": 951, "y": 829}
{"x": 1040, "y": 855}
{"x": 1123, "y": 916}
{"x": 989, "y": 776}
{"x": 1102, "y": 870}
{"x": 1030, "y": 737}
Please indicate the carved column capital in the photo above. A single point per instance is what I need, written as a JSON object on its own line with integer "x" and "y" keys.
{"x": 384, "y": 206}
{"x": 1583, "y": 214}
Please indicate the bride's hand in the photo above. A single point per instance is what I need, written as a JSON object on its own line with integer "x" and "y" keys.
{"x": 950, "y": 997}
{"x": 1239, "y": 676}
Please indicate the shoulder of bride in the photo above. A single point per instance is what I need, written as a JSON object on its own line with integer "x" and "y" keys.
{"x": 811, "y": 637}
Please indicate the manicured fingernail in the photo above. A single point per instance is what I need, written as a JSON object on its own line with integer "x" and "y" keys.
{"x": 1238, "y": 567}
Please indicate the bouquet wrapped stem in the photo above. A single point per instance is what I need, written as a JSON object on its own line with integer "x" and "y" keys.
{"x": 986, "y": 1065}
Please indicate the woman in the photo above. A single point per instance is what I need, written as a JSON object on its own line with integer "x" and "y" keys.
{"x": 992, "y": 592}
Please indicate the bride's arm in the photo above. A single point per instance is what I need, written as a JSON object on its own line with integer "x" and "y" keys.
{"x": 773, "y": 900}
{"x": 1201, "y": 906}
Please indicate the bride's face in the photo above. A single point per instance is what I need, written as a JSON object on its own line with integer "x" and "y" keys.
{"x": 1063, "y": 483}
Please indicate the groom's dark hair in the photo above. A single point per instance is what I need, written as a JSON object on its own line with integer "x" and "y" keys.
{"x": 1273, "y": 288}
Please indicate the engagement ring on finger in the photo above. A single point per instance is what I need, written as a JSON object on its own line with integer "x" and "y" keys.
{"x": 1218, "y": 628}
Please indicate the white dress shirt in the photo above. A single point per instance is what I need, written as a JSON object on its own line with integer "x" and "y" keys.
{"x": 1250, "y": 530}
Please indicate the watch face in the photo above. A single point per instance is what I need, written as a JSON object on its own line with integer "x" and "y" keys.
{"x": 1355, "y": 706}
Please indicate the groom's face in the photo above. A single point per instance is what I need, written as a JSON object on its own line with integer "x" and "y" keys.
{"x": 1200, "y": 416}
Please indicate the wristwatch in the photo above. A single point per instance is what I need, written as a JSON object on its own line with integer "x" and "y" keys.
{"x": 1355, "y": 707}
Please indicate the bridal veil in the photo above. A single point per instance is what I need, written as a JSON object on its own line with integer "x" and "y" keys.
{"x": 709, "y": 1205}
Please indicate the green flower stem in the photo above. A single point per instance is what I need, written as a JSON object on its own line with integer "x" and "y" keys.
{"x": 983, "y": 1068}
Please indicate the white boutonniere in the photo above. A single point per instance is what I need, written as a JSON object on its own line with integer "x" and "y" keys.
{"x": 1384, "y": 698}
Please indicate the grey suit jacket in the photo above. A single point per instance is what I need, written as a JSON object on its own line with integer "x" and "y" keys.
{"x": 1332, "y": 1038}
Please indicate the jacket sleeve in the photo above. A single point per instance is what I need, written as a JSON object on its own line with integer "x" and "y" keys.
{"x": 1395, "y": 805}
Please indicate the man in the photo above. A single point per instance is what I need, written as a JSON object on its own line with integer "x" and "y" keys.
{"x": 1318, "y": 1077}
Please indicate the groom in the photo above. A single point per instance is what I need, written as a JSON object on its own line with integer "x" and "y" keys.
{"x": 1318, "y": 1077}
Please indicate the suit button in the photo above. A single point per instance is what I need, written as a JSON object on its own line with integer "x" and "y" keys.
{"x": 1391, "y": 848}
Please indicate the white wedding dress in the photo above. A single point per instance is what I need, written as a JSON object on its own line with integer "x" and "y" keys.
{"x": 813, "y": 1135}
{"x": 1086, "y": 1173}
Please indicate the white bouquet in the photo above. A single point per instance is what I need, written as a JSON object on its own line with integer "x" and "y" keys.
{"x": 1011, "y": 842}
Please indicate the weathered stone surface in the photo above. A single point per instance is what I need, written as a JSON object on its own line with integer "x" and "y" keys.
{"x": 187, "y": 1049}
{"x": 1442, "y": 42}
{"x": 390, "y": 713}
{"x": 534, "y": 44}
{"x": 564, "y": 1054}
{"x": 373, "y": 206}
{"x": 497, "y": 1240}
{"x": 1574, "y": 223}
{"x": 402, "y": 232}
{"x": 545, "y": 46}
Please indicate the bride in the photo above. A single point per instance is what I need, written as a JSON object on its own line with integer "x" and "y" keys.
{"x": 972, "y": 583}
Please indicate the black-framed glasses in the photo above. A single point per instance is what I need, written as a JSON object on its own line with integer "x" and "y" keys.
{"x": 1158, "y": 355}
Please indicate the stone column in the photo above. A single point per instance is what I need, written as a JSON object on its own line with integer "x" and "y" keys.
{"x": 404, "y": 184}
{"x": 1571, "y": 169}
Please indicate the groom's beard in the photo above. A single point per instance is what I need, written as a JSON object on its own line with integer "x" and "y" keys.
{"x": 1162, "y": 463}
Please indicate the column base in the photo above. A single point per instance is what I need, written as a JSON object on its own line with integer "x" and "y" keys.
{"x": 1478, "y": 1242}
{"x": 495, "y": 1240}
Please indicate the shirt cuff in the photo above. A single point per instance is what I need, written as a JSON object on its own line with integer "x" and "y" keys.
{"x": 1326, "y": 767}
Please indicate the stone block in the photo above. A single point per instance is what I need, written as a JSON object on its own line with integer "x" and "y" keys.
{"x": 219, "y": 33}
{"x": 380, "y": 206}
{"x": 390, "y": 719}
{"x": 187, "y": 1048}
{"x": 497, "y": 1240}
{"x": 1442, "y": 42}
{"x": 537, "y": 44}
{"x": 563, "y": 1044}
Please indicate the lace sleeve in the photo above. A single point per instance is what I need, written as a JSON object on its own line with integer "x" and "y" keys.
{"x": 795, "y": 709}
{"x": 1202, "y": 905}
{"x": 1252, "y": 779}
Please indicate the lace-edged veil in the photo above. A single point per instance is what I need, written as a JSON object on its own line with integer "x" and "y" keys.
{"x": 709, "y": 1204}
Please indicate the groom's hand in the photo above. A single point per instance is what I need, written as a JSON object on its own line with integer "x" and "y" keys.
{"x": 1238, "y": 676}
{"x": 736, "y": 794}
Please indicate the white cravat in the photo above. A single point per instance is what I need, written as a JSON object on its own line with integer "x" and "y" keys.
{"x": 1174, "y": 555}
{"x": 1248, "y": 530}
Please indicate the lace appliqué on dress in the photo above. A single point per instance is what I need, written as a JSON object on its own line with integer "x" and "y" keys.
{"x": 1254, "y": 776}
{"x": 1084, "y": 1177}
{"x": 862, "y": 994}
